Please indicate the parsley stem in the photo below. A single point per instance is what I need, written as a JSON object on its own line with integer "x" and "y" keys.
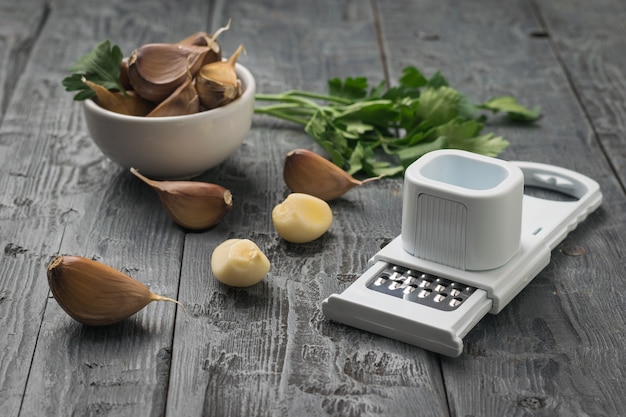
{"x": 278, "y": 111}
{"x": 290, "y": 107}
{"x": 304, "y": 94}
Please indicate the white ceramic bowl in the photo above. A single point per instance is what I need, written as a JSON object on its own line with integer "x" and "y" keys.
{"x": 178, "y": 146}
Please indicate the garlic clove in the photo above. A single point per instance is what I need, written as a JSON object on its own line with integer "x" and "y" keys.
{"x": 302, "y": 218}
{"x": 307, "y": 172}
{"x": 193, "y": 205}
{"x": 217, "y": 83}
{"x": 96, "y": 294}
{"x": 197, "y": 39}
{"x": 155, "y": 70}
{"x": 130, "y": 104}
{"x": 239, "y": 263}
{"x": 184, "y": 100}
{"x": 214, "y": 54}
{"x": 124, "y": 80}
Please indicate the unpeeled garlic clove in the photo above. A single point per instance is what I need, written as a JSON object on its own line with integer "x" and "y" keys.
{"x": 124, "y": 80}
{"x": 217, "y": 83}
{"x": 197, "y": 39}
{"x": 214, "y": 54}
{"x": 129, "y": 103}
{"x": 184, "y": 100}
{"x": 192, "y": 204}
{"x": 96, "y": 294}
{"x": 155, "y": 70}
{"x": 307, "y": 172}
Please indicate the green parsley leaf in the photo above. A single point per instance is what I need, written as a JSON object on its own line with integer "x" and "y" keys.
{"x": 412, "y": 78}
{"x": 438, "y": 80}
{"x": 381, "y": 132}
{"x": 409, "y": 155}
{"x": 101, "y": 65}
{"x": 457, "y": 130}
{"x": 514, "y": 110}
{"x": 487, "y": 144}
{"x": 352, "y": 88}
{"x": 438, "y": 105}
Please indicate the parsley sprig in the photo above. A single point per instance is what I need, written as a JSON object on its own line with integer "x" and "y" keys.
{"x": 101, "y": 65}
{"x": 381, "y": 131}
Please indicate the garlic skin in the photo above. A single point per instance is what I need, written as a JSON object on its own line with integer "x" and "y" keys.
{"x": 193, "y": 205}
{"x": 214, "y": 53}
{"x": 239, "y": 263}
{"x": 96, "y": 294}
{"x": 156, "y": 70}
{"x": 302, "y": 218}
{"x": 124, "y": 80}
{"x": 217, "y": 83}
{"x": 130, "y": 104}
{"x": 184, "y": 100}
{"x": 197, "y": 39}
{"x": 307, "y": 172}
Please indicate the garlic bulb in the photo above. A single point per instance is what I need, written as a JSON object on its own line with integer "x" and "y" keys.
{"x": 191, "y": 204}
{"x": 95, "y": 294}
{"x": 217, "y": 83}
{"x": 307, "y": 172}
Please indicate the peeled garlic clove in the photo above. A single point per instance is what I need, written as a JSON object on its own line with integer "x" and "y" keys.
{"x": 239, "y": 263}
{"x": 192, "y": 204}
{"x": 95, "y": 294}
{"x": 184, "y": 100}
{"x": 302, "y": 218}
{"x": 217, "y": 83}
{"x": 129, "y": 104}
{"x": 307, "y": 172}
{"x": 155, "y": 70}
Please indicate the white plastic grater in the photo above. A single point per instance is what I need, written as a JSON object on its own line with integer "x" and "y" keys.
{"x": 471, "y": 240}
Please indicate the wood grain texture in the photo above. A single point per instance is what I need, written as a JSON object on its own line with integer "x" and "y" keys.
{"x": 267, "y": 350}
{"x": 541, "y": 345}
{"x": 31, "y": 221}
{"x": 556, "y": 350}
{"x": 589, "y": 39}
{"x": 88, "y": 207}
{"x": 19, "y": 28}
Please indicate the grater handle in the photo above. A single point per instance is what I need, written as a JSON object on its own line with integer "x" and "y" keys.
{"x": 555, "y": 219}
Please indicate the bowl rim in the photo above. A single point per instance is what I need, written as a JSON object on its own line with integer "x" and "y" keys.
{"x": 249, "y": 88}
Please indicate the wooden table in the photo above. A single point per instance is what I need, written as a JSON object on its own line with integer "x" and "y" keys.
{"x": 556, "y": 350}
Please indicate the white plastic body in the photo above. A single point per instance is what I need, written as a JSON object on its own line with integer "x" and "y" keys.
{"x": 462, "y": 209}
{"x": 545, "y": 223}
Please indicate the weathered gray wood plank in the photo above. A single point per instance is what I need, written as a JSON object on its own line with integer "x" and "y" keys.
{"x": 535, "y": 356}
{"x": 82, "y": 204}
{"x": 557, "y": 349}
{"x": 268, "y": 350}
{"x": 27, "y": 211}
{"x": 589, "y": 40}
{"x": 19, "y": 27}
